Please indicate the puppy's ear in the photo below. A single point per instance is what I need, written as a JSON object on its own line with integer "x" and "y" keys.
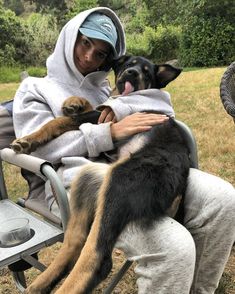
{"x": 164, "y": 74}
{"x": 116, "y": 63}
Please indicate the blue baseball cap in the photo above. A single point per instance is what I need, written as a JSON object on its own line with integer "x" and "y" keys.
{"x": 100, "y": 26}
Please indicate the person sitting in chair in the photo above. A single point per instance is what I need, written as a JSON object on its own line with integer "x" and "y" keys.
{"x": 171, "y": 257}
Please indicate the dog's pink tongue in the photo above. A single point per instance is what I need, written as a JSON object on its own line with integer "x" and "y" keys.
{"x": 128, "y": 88}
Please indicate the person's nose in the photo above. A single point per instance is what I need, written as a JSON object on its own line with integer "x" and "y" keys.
{"x": 89, "y": 55}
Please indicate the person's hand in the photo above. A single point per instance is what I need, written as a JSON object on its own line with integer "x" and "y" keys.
{"x": 107, "y": 115}
{"x": 136, "y": 123}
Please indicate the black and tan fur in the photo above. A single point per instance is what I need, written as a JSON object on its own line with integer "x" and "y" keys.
{"x": 140, "y": 187}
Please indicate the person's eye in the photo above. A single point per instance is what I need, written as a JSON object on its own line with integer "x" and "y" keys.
{"x": 85, "y": 42}
{"x": 101, "y": 55}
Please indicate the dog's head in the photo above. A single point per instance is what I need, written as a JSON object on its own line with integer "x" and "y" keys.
{"x": 133, "y": 73}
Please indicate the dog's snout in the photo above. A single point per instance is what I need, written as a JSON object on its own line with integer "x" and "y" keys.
{"x": 132, "y": 72}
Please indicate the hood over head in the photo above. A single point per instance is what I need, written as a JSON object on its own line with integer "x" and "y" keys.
{"x": 60, "y": 64}
{"x": 101, "y": 27}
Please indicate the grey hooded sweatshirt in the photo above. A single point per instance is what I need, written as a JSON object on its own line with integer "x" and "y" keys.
{"x": 38, "y": 100}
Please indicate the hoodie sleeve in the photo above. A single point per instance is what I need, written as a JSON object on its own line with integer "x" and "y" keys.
{"x": 97, "y": 137}
{"x": 144, "y": 100}
{"x": 31, "y": 111}
{"x": 89, "y": 141}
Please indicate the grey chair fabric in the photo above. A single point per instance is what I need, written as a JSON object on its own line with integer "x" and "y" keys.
{"x": 7, "y": 134}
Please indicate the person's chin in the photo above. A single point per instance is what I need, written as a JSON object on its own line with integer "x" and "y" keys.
{"x": 80, "y": 69}
{"x": 79, "y": 66}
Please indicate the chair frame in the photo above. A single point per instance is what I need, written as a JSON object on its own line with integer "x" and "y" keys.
{"x": 45, "y": 170}
{"x": 227, "y": 90}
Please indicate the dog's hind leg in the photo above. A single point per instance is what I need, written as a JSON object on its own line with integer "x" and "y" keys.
{"x": 83, "y": 204}
{"x": 95, "y": 261}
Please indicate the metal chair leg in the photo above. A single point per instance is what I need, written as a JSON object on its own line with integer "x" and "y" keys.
{"x": 20, "y": 282}
{"x": 118, "y": 277}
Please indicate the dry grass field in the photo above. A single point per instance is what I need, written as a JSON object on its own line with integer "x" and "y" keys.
{"x": 195, "y": 96}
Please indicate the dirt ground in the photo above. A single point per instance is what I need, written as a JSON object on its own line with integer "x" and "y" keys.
{"x": 126, "y": 286}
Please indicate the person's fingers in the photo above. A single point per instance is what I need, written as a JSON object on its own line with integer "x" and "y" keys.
{"x": 104, "y": 114}
{"x": 143, "y": 119}
{"x": 135, "y": 123}
{"x": 110, "y": 116}
{"x": 107, "y": 115}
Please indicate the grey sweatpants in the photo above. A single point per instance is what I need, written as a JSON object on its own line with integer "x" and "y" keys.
{"x": 176, "y": 259}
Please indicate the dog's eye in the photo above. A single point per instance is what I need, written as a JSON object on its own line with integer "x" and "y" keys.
{"x": 147, "y": 75}
{"x": 128, "y": 65}
{"x": 146, "y": 72}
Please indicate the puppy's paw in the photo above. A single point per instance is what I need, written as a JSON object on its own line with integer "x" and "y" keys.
{"x": 23, "y": 146}
{"x": 72, "y": 110}
{"x": 74, "y": 106}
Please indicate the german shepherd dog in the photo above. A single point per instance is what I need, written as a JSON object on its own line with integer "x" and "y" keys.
{"x": 141, "y": 187}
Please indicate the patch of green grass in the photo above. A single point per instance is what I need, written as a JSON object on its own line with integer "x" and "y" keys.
{"x": 16, "y": 185}
{"x": 9, "y": 75}
{"x": 12, "y": 74}
{"x": 7, "y": 91}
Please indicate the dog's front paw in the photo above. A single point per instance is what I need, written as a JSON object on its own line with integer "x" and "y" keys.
{"x": 74, "y": 106}
{"x": 23, "y": 146}
{"x": 72, "y": 110}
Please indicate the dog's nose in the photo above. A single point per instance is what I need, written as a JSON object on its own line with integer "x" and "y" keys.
{"x": 132, "y": 72}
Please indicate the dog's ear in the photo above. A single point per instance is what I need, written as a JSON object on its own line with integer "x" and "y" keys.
{"x": 116, "y": 63}
{"x": 164, "y": 74}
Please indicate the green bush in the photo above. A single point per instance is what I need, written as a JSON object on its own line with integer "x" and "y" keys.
{"x": 7, "y": 55}
{"x": 164, "y": 45}
{"x": 13, "y": 47}
{"x": 9, "y": 74}
{"x": 160, "y": 44}
{"x": 137, "y": 44}
{"x": 207, "y": 42}
{"x": 42, "y": 35}
{"x": 26, "y": 42}
{"x": 36, "y": 71}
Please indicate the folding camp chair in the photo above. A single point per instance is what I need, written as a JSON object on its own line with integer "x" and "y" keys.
{"x": 50, "y": 229}
{"x": 227, "y": 90}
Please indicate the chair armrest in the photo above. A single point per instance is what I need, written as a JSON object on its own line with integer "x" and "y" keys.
{"x": 227, "y": 90}
{"x": 43, "y": 169}
{"x": 25, "y": 161}
{"x": 191, "y": 143}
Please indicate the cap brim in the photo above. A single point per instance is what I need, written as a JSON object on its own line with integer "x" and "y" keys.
{"x": 97, "y": 35}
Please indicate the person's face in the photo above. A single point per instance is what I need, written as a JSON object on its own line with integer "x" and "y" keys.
{"x": 90, "y": 54}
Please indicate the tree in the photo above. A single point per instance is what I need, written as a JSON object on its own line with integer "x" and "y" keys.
{"x": 208, "y": 33}
{"x": 13, "y": 33}
{"x": 41, "y": 44}
{"x": 76, "y": 6}
{"x": 14, "y": 5}
{"x": 45, "y": 5}
{"x": 163, "y": 12}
